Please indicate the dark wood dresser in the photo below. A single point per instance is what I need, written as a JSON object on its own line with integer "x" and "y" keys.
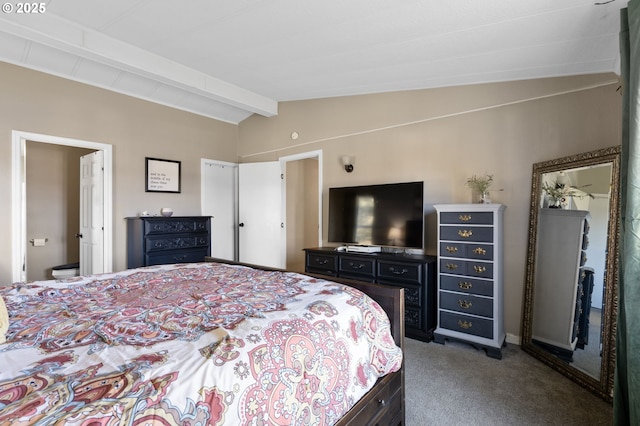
{"x": 415, "y": 273}
{"x": 159, "y": 240}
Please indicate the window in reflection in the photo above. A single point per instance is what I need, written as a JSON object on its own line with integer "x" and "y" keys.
{"x": 365, "y": 218}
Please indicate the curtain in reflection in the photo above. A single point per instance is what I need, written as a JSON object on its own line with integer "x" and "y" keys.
{"x": 626, "y": 397}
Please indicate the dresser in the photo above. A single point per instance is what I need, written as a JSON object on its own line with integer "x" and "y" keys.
{"x": 414, "y": 273}
{"x": 470, "y": 275}
{"x": 162, "y": 240}
{"x": 563, "y": 283}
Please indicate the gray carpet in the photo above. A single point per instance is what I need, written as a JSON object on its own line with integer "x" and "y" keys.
{"x": 457, "y": 384}
{"x": 588, "y": 359}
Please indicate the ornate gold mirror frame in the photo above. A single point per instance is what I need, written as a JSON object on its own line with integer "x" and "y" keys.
{"x": 602, "y": 383}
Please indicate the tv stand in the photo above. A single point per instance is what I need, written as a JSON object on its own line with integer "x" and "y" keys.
{"x": 415, "y": 273}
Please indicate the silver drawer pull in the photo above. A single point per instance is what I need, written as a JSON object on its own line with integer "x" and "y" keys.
{"x": 479, "y": 269}
{"x": 465, "y": 324}
{"x": 464, "y": 304}
{"x": 480, "y": 250}
{"x": 358, "y": 266}
{"x": 465, "y": 217}
{"x": 464, "y": 285}
{"x": 465, "y": 233}
{"x": 451, "y": 266}
{"x": 321, "y": 261}
{"x": 382, "y": 402}
{"x": 398, "y": 272}
{"x": 452, "y": 249}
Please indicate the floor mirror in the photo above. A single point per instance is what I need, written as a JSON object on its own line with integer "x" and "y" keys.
{"x": 570, "y": 299}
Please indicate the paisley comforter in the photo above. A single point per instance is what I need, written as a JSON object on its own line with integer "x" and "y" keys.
{"x": 190, "y": 344}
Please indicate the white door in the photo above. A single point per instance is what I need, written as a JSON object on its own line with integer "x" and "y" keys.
{"x": 219, "y": 200}
{"x": 91, "y": 213}
{"x": 260, "y": 218}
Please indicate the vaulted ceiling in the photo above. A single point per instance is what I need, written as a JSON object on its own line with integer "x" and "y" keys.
{"x": 228, "y": 59}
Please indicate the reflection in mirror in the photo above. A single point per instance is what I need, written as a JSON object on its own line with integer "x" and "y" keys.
{"x": 570, "y": 292}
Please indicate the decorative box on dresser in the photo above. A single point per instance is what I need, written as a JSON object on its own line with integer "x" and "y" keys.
{"x": 414, "y": 273}
{"x": 470, "y": 275}
{"x": 157, "y": 240}
{"x": 561, "y": 299}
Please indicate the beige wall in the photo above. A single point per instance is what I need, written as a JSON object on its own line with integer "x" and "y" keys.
{"x": 35, "y": 102}
{"x": 442, "y": 137}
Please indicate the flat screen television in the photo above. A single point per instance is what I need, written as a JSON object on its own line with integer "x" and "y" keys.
{"x": 378, "y": 215}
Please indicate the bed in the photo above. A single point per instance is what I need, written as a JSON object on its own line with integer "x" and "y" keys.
{"x": 202, "y": 343}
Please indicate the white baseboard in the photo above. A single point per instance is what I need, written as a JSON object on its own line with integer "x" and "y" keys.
{"x": 512, "y": 338}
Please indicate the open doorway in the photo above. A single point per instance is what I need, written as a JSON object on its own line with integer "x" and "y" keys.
{"x": 53, "y": 208}
{"x": 20, "y": 214}
{"x": 302, "y": 206}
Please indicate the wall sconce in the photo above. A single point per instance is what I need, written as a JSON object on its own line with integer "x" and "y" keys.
{"x": 347, "y": 162}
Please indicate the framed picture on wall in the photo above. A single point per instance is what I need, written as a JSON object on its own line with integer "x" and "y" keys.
{"x": 162, "y": 175}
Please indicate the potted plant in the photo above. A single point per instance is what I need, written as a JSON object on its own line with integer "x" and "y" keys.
{"x": 481, "y": 185}
{"x": 559, "y": 193}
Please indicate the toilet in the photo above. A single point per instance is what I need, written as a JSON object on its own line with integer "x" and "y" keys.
{"x": 69, "y": 270}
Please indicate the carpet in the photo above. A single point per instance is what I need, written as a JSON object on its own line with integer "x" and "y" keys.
{"x": 457, "y": 384}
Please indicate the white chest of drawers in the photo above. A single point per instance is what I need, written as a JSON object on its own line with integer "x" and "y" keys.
{"x": 470, "y": 275}
{"x": 561, "y": 256}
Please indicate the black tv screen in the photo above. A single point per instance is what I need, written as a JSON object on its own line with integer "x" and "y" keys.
{"x": 379, "y": 215}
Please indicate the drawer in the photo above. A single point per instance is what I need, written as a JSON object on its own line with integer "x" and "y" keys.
{"x": 471, "y": 251}
{"x": 323, "y": 263}
{"x": 467, "y": 233}
{"x": 383, "y": 405}
{"x": 463, "y": 267}
{"x": 480, "y": 251}
{"x": 177, "y": 256}
{"x": 472, "y": 218}
{"x": 467, "y": 303}
{"x": 467, "y": 324}
{"x": 400, "y": 271}
{"x": 359, "y": 266}
{"x": 466, "y": 285}
{"x": 480, "y": 269}
{"x": 176, "y": 225}
{"x": 392, "y": 413}
{"x": 453, "y": 266}
{"x": 164, "y": 242}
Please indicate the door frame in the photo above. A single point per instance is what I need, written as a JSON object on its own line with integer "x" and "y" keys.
{"x": 295, "y": 157}
{"x": 19, "y": 204}
{"x": 283, "y": 160}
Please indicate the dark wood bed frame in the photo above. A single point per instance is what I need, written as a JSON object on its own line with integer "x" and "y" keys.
{"x": 384, "y": 403}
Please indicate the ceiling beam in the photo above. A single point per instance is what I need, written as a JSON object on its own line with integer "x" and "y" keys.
{"x": 58, "y": 33}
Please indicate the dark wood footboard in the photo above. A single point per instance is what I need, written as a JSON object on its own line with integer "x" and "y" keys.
{"x": 384, "y": 403}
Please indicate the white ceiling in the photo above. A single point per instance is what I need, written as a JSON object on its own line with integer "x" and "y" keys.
{"x": 228, "y": 59}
